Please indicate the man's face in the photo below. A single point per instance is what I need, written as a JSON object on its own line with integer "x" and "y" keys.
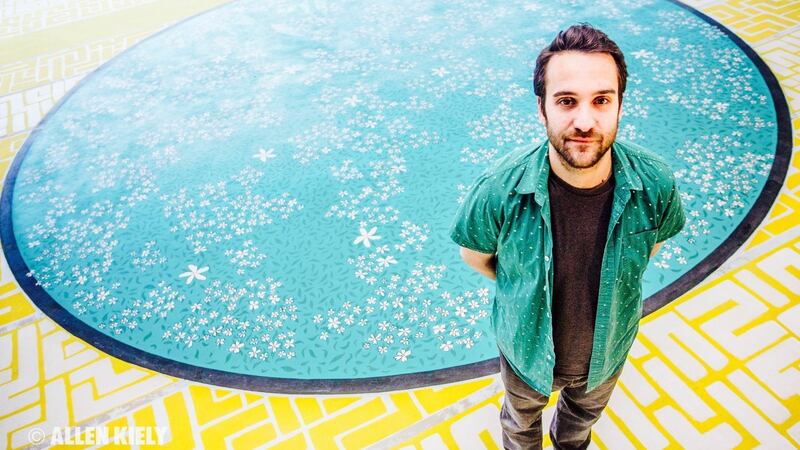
{"x": 581, "y": 108}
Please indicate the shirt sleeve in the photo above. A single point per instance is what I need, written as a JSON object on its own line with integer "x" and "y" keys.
{"x": 477, "y": 225}
{"x": 673, "y": 218}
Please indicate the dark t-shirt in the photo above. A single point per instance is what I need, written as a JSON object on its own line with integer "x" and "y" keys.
{"x": 579, "y": 219}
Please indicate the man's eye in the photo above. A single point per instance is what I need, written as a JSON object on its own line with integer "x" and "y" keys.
{"x": 603, "y": 100}
{"x": 565, "y": 101}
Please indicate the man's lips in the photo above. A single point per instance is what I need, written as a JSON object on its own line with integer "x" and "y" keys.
{"x": 583, "y": 141}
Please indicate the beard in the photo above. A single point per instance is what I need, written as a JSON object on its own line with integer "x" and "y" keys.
{"x": 579, "y": 155}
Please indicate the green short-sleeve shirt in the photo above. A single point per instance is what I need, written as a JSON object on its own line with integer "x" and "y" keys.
{"x": 507, "y": 212}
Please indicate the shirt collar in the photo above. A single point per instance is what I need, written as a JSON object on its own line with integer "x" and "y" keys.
{"x": 537, "y": 171}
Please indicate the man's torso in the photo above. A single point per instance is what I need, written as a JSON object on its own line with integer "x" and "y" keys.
{"x": 516, "y": 189}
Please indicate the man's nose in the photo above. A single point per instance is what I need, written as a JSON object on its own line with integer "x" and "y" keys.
{"x": 584, "y": 121}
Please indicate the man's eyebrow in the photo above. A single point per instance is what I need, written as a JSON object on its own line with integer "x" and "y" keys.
{"x": 604, "y": 91}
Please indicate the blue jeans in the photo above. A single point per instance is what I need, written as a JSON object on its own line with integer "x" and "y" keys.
{"x": 576, "y": 410}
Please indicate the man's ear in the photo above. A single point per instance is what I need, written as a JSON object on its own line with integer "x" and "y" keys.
{"x": 542, "y": 113}
{"x": 619, "y": 114}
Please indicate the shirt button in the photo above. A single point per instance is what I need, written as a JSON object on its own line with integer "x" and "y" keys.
{"x": 546, "y": 258}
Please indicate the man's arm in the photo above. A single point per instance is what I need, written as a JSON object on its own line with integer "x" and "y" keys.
{"x": 672, "y": 219}
{"x": 484, "y": 263}
{"x": 476, "y": 228}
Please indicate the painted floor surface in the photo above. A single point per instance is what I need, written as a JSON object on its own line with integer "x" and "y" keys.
{"x": 717, "y": 368}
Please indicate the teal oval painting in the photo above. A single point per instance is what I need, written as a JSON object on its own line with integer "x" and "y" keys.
{"x": 264, "y": 191}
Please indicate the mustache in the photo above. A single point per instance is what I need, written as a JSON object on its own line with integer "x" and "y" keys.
{"x": 577, "y": 134}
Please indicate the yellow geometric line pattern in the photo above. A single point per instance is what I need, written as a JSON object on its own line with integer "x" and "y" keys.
{"x": 147, "y": 16}
{"x": 25, "y": 17}
{"x": 728, "y": 351}
{"x": 62, "y": 64}
{"x": 754, "y": 21}
{"x": 200, "y": 416}
{"x": 772, "y": 28}
{"x": 718, "y": 368}
{"x": 9, "y": 146}
{"x": 49, "y": 378}
{"x": 23, "y": 110}
{"x": 14, "y": 305}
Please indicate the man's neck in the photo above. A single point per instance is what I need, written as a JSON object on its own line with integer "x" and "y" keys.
{"x": 580, "y": 178}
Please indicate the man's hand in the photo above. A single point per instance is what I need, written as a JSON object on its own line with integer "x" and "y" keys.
{"x": 484, "y": 263}
{"x": 655, "y": 248}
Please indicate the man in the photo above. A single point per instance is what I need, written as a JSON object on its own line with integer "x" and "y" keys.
{"x": 566, "y": 229}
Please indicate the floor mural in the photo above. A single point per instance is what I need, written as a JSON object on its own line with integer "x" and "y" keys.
{"x": 222, "y": 334}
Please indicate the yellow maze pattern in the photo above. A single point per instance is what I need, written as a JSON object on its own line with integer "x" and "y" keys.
{"x": 199, "y": 416}
{"x": 728, "y": 350}
{"x": 49, "y": 378}
{"x": 25, "y": 17}
{"x": 718, "y": 368}
{"x": 780, "y": 50}
{"x": 756, "y": 20}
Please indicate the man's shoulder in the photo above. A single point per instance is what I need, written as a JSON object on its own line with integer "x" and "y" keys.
{"x": 515, "y": 160}
{"x": 651, "y": 167}
{"x": 506, "y": 171}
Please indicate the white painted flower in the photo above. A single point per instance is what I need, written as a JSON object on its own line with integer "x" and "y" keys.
{"x": 235, "y": 347}
{"x": 367, "y": 236}
{"x": 447, "y": 346}
{"x": 333, "y": 322}
{"x": 352, "y": 101}
{"x": 386, "y": 262}
{"x": 194, "y": 273}
{"x": 642, "y": 54}
{"x": 402, "y": 355}
{"x": 440, "y": 72}
{"x": 264, "y": 155}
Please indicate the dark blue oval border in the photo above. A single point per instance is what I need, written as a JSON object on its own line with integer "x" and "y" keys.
{"x": 218, "y": 377}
